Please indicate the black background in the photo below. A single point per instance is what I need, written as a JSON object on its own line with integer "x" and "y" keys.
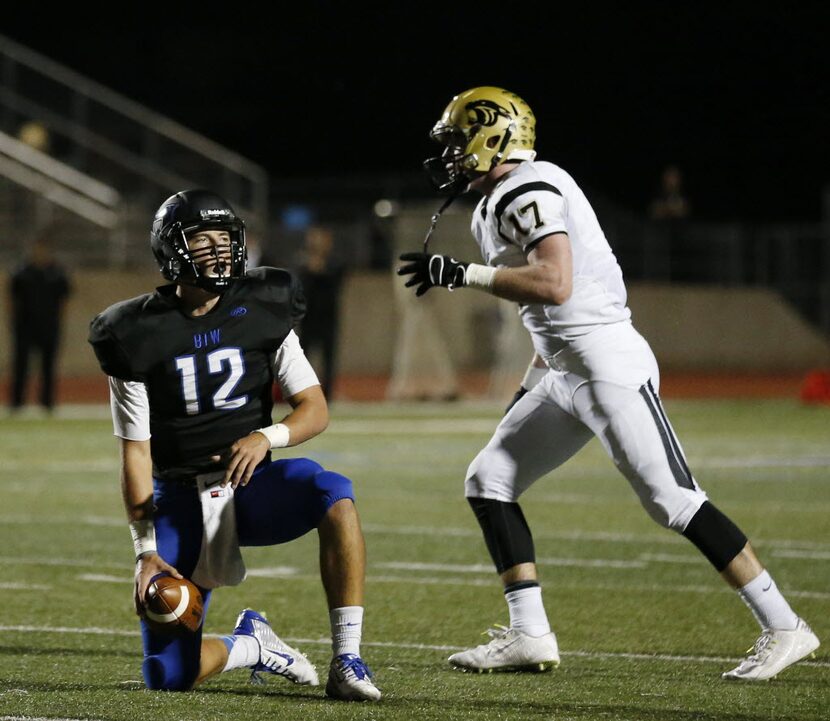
{"x": 736, "y": 94}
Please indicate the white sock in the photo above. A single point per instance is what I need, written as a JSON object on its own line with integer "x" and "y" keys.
{"x": 346, "y": 629}
{"x": 769, "y": 607}
{"x": 243, "y": 651}
{"x": 527, "y": 613}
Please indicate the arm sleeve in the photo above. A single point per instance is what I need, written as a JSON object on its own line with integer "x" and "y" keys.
{"x": 538, "y": 211}
{"x": 130, "y": 409}
{"x": 292, "y": 370}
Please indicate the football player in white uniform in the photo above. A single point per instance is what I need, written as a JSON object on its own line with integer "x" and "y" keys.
{"x": 592, "y": 374}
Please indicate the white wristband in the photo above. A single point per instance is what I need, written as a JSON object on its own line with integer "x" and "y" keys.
{"x": 277, "y": 435}
{"x": 480, "y": 277}
{"x": 144, "y": 537}
{"x": 532, "y": 376}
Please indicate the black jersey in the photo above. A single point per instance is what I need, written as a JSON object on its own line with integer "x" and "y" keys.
{"x": 208, "y": 378}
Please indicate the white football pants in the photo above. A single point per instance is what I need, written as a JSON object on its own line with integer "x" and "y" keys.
{"x": 605, "y": 384}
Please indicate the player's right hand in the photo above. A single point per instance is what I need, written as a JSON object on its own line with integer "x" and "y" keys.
{"x": 242, "y": 459}
{"x": 427, "y": 271}
{"x": 147, "y": 566}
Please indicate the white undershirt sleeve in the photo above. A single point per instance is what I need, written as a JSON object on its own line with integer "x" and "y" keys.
{"x": 292, "y": 370}
{"x": 130, "y": 409}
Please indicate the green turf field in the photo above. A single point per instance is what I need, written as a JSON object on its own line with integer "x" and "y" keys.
{"x": 645, "y": 626}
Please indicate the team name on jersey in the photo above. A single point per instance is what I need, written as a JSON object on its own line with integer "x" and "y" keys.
{"x": 203, "y": 340}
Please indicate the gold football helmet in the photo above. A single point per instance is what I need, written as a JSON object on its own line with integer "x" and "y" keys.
{"x": 480, "y": 129}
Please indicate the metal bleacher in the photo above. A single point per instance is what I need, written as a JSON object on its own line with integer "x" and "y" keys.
{"x": 94, "y": 165}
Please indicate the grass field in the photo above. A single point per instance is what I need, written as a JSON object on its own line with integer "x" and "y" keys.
{"x": 645, "y": 626}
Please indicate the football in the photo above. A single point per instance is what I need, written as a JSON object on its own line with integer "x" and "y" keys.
{"x": 173, "y": 605}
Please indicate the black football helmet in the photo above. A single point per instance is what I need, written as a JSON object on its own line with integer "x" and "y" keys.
{"x": 177, "y": 218}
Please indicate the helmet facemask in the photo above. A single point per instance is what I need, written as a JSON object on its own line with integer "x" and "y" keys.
{"x": 448, "y": 172}
{"x": 181, "y": 216}
{"x": 211, "y": 267}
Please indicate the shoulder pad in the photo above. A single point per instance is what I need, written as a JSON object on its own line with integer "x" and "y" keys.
{"x": 277, "y": 286}
{"x": 107, "y": 331}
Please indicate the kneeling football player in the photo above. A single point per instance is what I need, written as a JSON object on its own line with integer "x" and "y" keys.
{"x": 191, "y": 368}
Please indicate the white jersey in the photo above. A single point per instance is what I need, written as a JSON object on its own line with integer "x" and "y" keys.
{"x": 534, "y": 201}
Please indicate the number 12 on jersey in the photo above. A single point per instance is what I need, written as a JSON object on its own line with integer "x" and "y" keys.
{"x": 217, "y": 362}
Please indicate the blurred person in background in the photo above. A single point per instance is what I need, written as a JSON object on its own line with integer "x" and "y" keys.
{"x": 321, "y": 275}
{"x": 671, "y": 202}
{"x": 592, "y": 375}
{"x": 673, "y": 256}
{"x": 38, "y": 290}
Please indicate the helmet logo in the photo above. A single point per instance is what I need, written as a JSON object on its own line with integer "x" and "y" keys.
{"x": 211, "y": 212}
{"x": 485, "y": 112}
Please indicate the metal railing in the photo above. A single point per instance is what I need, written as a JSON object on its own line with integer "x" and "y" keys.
{"x": 106, "y": 136}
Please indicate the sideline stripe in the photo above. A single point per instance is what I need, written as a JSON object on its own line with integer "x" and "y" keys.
{"x": 408, "y": 646}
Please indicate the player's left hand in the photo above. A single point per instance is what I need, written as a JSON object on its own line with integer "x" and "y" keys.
{"x": 428, "y": 271}
{"x": 242, "y": 458}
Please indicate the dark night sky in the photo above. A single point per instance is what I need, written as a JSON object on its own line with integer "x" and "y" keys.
{"x": 738, "y": 96}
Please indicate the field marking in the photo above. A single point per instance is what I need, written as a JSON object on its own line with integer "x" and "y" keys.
{"x": 555, "y": 586}
{"x": 41, "y": 718}
{"x": 690, "y": 560}
{"x": 73, "y": 562}
{"x": 103, "y": 578}
{"x": 98, "y": 465}
{"x": 794, "y": 549}
{"x": 273, "y": 572}
{"x": 609, "y": 536}
{"x": 15, "y": 586}
{"x": 807, "y": 461}
{"x": 807, "y": 555}
{"x": 446, "y": 428}
{"x": 412, "y": 646}
{"x": 486, "y": 568}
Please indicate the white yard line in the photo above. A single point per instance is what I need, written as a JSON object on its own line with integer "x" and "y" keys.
{"x": 404, "y": 645}
{"x": 40, "y": 718}
{"x": 486, "y": 568}
{"x": 73, "y": 562}
{"x": 666, "y": 537}
{"x": 806, "y": 555}
{"x": 103, "y": 578}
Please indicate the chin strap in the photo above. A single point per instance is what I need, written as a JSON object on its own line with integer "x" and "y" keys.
{"x": 435, "y": 216}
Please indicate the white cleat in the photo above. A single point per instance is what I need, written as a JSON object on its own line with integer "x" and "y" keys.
{"x": 509, "y": 650}
{"x": 351, "y": 680}
{"x": 774, "y": 651}
{"x": 275, "y": 656}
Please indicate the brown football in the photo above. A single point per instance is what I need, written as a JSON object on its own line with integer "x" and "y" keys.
{"x": 173, "y": 605}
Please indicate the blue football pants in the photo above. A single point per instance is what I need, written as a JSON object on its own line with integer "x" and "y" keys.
{"x": 283, "y": 501}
